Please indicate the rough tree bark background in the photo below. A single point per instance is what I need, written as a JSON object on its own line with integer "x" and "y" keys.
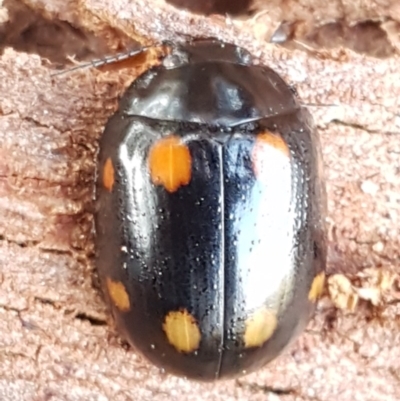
{"x": 56, "y": 341}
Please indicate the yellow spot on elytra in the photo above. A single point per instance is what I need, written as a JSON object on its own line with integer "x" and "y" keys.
{"x": 182, "y": 330}
{"x": 265, "y": 142}
{"x": 118, "y": 294}
{"x": 259, "y": 327}
{"x": 170, "y": 163}
{"x": 108, "y": 175}
{"x": 317, "y": 287}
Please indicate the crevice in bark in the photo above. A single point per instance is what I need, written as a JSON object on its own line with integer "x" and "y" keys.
{"x": 21, "y": 244}
{"x": 93, "y": 320}
{"x": 365, "y": 37}
{"x": 28, "y": 31}
{"x": 58, "y": 41}
{"x": 257, "y": 388}
{"x": 207, "y": 7}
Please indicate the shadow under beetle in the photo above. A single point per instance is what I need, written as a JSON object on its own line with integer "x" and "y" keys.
{"x": 210, "y": 234}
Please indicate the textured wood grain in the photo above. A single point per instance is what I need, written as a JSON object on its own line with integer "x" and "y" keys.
{"x": 56, "y": 340}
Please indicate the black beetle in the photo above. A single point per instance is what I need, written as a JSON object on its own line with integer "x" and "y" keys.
{"x": 210, "y": 234}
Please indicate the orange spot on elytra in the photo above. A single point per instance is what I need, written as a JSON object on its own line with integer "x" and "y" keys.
{"x": 317, "y": 287}
{"x": 108, "y": 175}
{"x": 265, "y": 142}
{"x": 118, "y": 294}
{"x": 170, "y": 163}
{"x": 182, "y": 331}
{"x": 259, "y": 327}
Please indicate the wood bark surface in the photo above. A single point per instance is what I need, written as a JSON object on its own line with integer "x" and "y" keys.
{"x": 56, "y": 339}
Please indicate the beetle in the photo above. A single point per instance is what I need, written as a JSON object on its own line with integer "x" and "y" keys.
{"x": 210, "y": 233}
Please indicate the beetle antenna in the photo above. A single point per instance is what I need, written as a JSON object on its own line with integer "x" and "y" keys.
{"x": 105, "y": 60}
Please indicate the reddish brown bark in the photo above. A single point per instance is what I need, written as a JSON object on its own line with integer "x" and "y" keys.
{"x": 56, "y": 340}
